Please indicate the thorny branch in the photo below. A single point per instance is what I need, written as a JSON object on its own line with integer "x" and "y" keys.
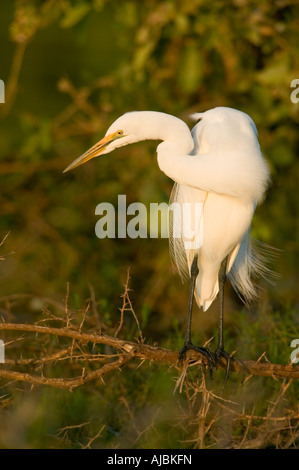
{"x": 125, "y": 351}
{"x": 77, "y": 338}
{"x": 115, "y": 352}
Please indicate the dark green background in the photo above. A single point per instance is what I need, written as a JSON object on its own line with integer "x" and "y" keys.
{"x": 70, "y": 69}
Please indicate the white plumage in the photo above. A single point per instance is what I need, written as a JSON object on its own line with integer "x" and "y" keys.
{"x": 219, "y": 165}
{"x": 227, "y": 173}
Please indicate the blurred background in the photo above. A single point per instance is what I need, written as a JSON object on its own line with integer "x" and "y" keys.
{"x": 71, "y": 68}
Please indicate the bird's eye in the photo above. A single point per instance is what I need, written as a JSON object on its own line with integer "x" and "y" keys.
{"x": 120, "y": 132}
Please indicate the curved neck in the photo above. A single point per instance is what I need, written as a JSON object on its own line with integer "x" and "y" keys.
{"x": 161, "y": 126}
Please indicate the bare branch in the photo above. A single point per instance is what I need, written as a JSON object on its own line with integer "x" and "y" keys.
{"x": 71, "y": 383}
{"x": 126, "y": 351}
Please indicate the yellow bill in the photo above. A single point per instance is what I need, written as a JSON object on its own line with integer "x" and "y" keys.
{"x": 94, "y": 151}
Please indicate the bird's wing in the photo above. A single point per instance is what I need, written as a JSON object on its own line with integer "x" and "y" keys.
{"x": 176, "y": 242}
{"x": 251, "y": 261}
{"x": 185, "y": 226}
{"x": 223, "y": 161}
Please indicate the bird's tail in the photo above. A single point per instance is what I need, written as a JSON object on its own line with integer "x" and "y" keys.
{"x": 252, "y": 261}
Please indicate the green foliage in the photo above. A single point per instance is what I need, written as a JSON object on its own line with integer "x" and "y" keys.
{"x": 70, "y": 69}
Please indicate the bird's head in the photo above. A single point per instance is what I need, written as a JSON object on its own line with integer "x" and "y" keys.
{"x": 135, "y": 126}
{"x": 120, "y": 133}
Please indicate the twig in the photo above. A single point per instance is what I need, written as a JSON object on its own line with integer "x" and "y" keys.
{"x": 87, "y": 446}
{"x": 130, "y": 349}
{"x": 70, "y": 384}
{"x": 127, "y": 305}
{"x": 66, "y": 309}
{"x": 95, "y": 312}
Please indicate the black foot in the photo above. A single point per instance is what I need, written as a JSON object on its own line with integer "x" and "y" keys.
{"x": 221, "y": 353}
{"x": 204, "y": 351}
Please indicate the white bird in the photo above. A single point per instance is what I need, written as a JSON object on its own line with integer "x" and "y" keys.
{"x": 219, "y": 164}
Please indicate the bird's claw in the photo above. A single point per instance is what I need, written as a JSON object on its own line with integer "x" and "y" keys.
{"x": 204, "y": 351}
{"x": 221, "y": 353}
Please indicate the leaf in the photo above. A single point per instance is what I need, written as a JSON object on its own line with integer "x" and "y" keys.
{"x": 74, "y": 15}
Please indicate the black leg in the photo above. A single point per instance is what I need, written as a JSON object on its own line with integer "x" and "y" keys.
{"x": 188, "y": 344}
{"x": 194, "y": 274}
{"x": 221, "y": 281}
{"x": 220, "y": 352}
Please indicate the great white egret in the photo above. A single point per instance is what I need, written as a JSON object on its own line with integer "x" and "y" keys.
{"x": 220, "y": 165}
